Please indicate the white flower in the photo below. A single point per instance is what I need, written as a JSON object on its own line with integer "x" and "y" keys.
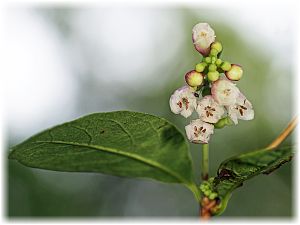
{"x": 242, "y": 110}
{"x": 198, "y": 131}
{"x": 203, "y": 36}
{"x": 183, "y": 101}
{"x": 209, "y": 110}
{"x": 224, "y": 92}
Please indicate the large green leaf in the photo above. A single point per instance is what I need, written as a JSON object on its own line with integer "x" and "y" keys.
{"x": 234, "y": 171}
{"x": 119, "y": 143}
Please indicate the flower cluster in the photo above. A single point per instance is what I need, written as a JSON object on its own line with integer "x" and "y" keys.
{"x": 210, "y": 90}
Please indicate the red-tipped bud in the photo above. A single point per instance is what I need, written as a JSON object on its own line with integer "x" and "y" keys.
{"x": 235, "y": 73}
{"x": 194, "y": 78}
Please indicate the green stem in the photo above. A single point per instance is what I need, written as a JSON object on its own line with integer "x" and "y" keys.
{"x": 205, "y": 161}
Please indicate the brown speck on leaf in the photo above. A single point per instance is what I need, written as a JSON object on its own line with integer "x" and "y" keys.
{"x": 224, "y": 173}
{"x": 102, "y": 131}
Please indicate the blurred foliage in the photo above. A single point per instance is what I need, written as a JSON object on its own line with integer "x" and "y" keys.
{"x": 33, "y": 192}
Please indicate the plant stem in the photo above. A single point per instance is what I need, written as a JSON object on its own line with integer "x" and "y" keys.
{"x": 205, "y": 161}
{"x": 284, "y": 134}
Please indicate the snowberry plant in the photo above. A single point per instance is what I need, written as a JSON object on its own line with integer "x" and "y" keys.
{"x": 211, "y": 91}
{"x": 140, "y": 145}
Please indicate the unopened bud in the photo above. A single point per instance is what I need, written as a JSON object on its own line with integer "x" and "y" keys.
{"x": 226, "y": 66}
{"x": 214, "y": 52}
{"x": 207, "y": 59}
{"x": 223, "y": 122}
{"x": 235, "y": 73}
{"x": 217, "y": 45}
{"x": 194, "y": 78}
{"x": 200, "y": 67}
{"x": 212, "y": 67}
{"x": 213, "y": 76}
{"x": 219, "y": 62}
{"x": 213, "y": 59}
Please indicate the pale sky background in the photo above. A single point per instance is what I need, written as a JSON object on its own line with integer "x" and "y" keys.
{"x": 269, "y": 28}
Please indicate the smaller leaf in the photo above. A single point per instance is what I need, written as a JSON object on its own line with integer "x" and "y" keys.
{"x": 234, "y": 171}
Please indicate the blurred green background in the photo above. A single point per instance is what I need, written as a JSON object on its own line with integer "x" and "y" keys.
{"x": 65, "y": 62}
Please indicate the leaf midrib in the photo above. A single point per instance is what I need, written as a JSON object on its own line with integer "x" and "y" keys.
{"x": 126, "y": 154}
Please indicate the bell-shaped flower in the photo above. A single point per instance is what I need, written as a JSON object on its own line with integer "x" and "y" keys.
{"x": 183, "y": 101}
{"x": 209, "y": 110}
{"x": 224, "y": 92}
{"x": 199, "y": 132}
{"x": 203, "y": 36}
{"x": 242, "y": 109}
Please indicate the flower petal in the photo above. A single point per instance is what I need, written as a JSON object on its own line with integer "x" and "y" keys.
{"x": 203, "y": 36}
{"x": 224, "y": 92}
{"x": 198, "y": 131}
{"x": 183, "y": 101}
{"x": 209, "y": 110}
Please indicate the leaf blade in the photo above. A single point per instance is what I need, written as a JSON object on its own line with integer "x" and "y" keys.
{"x": 232, "y": 173}
{"x": 118, "y": 143}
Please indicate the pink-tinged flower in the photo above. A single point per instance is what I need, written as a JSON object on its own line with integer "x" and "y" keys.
{"x": 209, "y": 110}
{"x": 183, "y": 101}
{"x": 224, "y": 92}
{"x": 235, "y": 73}
{"x": 203, "y": 36}
{"x": 242, "y": 110}
{"x": 194, "y": 78}
{"x": 198, "y": 131}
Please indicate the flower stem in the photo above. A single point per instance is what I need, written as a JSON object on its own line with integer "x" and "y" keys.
{"x": 284, "y": 134}
{"x": 205, "y": 161}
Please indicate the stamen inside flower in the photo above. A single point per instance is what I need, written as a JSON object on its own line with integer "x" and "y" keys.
{"x": 241, "y": 109}
{"x": 197, "y": 131}
{"x": 186, "y": 102}
{"x": 227, "y": 92}
{"x": 202, "y": 34}
{"x": 209, "y": 110}
{"x": 179, "y": 104}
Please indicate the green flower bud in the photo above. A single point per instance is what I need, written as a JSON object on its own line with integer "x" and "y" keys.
{"x": 213, "y": 52}
{"x": 219, "y": 62}
{"x": 207, "y": 59}
{"x": 213, "y": 76}
{"x": 221, "y": 123}
{"x": 226, "y": 66}
{"x": 200, "y": 67}
{"x": 217, "y": 45}
{"x": 226, "y": 121}
{"x": 212, "y": 67}
{"x": 206, "y": 91}
{"x": 235, "y": 73}
{"x": 213, "y": 59}
{"x": 213, "y": 196}
{"x": 194, "y": 78}
{"x": 207, "y": 193}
